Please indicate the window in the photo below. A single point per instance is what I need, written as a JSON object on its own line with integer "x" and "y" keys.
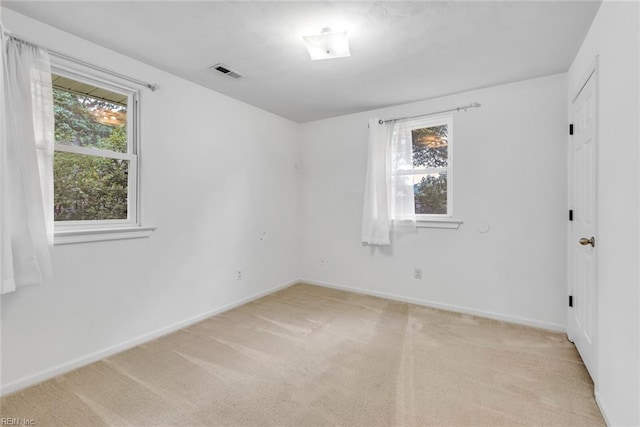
{"x": 431, "y": 169}
{"x": 95, "y": 163}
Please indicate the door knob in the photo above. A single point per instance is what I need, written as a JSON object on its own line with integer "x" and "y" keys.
{"x": 584, "y": 241}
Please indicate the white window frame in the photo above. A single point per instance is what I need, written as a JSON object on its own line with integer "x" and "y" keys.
{"x": 437, "y": 220}
{"x": 99, "y": 230}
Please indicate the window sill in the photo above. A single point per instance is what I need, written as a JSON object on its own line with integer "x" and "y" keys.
{"x": 439, "y": 223}
{"x": 66, "y": 237}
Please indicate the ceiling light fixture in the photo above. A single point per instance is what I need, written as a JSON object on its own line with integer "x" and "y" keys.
{"x": 328, "y": 44}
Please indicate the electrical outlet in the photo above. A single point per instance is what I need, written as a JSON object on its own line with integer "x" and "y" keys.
{"x": 323, "y": 262}
{"x": 239, "y": 275}
{"x": 417, "y": 273}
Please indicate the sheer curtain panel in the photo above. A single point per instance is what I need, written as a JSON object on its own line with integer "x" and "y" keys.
{"x": 388, "y": 194}
{"x": 26, "y": 149}
{"x": 402, "y": 200}
{"x": 375, "y": 215}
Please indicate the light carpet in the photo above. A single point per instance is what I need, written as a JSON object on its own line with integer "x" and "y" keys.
{"x": 311, "y": 356}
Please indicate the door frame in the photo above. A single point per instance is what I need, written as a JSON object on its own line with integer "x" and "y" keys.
{"x": 592, "y": 71}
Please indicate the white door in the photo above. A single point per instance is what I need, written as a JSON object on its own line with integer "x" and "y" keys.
{"x": 583, "y": 314}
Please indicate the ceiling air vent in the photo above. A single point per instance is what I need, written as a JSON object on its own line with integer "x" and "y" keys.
{"x": 221, "y": 68}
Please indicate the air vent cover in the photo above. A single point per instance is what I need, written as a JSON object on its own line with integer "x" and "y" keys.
{"x": 221, "y": 68}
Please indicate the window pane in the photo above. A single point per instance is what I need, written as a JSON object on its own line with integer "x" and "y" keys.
{"x": 89, "y": 188}
{"x": 89, "y": 116}
{"x": 430, "y": 193}
{"x": 430, "y": 146}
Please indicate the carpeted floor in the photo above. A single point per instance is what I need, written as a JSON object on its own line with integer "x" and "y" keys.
{"x": 310, "y": 356}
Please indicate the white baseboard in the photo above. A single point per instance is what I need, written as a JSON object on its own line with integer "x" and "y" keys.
{"x": 94, "y": 357}
{"x": 455, "y": 308}
{"x": 606, "y": 414}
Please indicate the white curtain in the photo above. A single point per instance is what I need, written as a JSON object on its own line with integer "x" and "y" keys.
{"x": 402, "y": 200}
{"x": 26, "y": 164}
{"x": 375, "y": 216}
{"x": 388, "y": 198}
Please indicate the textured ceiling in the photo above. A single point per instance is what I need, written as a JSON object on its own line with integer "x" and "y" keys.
{"x": 401, "y": 51}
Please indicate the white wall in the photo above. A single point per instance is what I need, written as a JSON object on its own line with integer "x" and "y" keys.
{"x": 510, "y": 173}
{"x": 1, "y": 125}
{"x": 614, "y": 37}
{"x": 216, "y": 174}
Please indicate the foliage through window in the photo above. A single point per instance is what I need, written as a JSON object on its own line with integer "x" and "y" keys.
{"x": 94, "y": 160}
{"x": 431, "y": 145}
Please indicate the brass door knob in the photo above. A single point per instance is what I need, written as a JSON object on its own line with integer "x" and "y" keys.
{"x": 584, "y": 241}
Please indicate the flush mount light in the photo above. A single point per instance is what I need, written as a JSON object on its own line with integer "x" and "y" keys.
{"x": 328, "y": 44}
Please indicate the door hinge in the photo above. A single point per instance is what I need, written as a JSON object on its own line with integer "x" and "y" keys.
{"x": 570, "y": 214}
{"x": 571, "y": 129}
{"x": 570, "y": 300}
